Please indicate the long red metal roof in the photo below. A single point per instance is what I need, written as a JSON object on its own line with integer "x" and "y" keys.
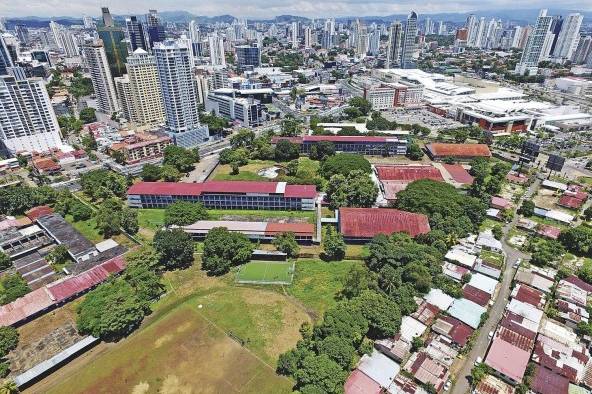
{"x": 303, "y": 229}
{"x": 225, "y": 187}
{"x": 408, "y": 173}
{"x": 368, "y": 222}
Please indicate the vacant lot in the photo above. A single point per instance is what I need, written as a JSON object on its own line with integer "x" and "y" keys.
{"x": 248, "y": 172}
{"x": 181, "y": 352}
{"x": 317, "y": 283}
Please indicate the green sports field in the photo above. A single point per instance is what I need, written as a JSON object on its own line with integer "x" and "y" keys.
{"x": 266, "y": 272}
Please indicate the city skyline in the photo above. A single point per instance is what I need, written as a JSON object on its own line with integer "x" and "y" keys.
{"x": 270, "y": 9}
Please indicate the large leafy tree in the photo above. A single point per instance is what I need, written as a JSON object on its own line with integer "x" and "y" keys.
{"x": 344, "y": 163}
{"x": 180, "y": 158}
{"x": 175, "y": 248}
{"x": 578, "y": 240}
{"x": 183, "y": 213}
{"x": 12, "y": 287}
{"x": 382, "y": 313}
{"x": 333, "y": 245}
{"x": 150, "y": 173}
{"x": 108, "y": 217}
{"x": 224, "y": 249}
{"x": 354, "y": 190}
{"x": 286, "y": 242}
{"x": 446, "y": 207}
{"x": 129, "y": 220}
{"x": 286, "y": 150}
{"x": 363, "y": 105}
{"x": 101, "y": 184}
{"x": 9, "y": 338}
{"x": 111, "y": 311}
{"x": 338, "y": 349}
{"x": 4, "y": 261}
{"x": 322, "y": 372}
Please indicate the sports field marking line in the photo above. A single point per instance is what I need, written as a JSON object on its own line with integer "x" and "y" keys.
{"x": 265, "y": 272}
{"x": 244, "y": 347}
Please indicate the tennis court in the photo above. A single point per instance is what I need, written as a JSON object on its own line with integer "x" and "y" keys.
{"x": 266, "y": 272}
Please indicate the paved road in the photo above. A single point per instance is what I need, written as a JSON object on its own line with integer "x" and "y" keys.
{"x": 481, "y": 344}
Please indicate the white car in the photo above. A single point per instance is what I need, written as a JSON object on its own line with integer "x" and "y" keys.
{"x": 478, "y": 361}
{"x": 490, "y": 335}
{"x": 447, "y": 385}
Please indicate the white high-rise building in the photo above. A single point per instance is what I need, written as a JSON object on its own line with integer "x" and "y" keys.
{"x": 179, "y": 93}
{"x": 124, "y": 96}
{"x": 374, "y": 43}
{"x": 194, "y": 32}
{"x": 393, "y": 53}
{"x": 217, "y": 56}
{"x": 569, "y": 36}
{"x": 100, "y": 74}
{"x": 481, "y": 33}
{"x": 27, "y": 120}
{"x": 146, "y": 99}
{"x": 472, "y": 27}
{"x": 294, "y": 35}
{"x": 441, "y": 28}
{"x": 409, "y": 46}
{"x": 308, "y": 38}
{"x": 88, "y": 22}
{"x": 535, "y": 44}
{"x": 64, "y": 39}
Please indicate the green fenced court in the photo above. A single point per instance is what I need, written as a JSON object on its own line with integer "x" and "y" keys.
{"x": 266, "y": 273}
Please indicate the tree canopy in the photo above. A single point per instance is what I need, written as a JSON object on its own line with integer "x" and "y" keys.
{"x": 286, "y": 242}
{"x": 224, "y": 249}
{"x": 343, "y": 164}
{"x": 175, "y": 248}
{"x": 180, "y": 158}
{"x": 333, "y": 245}
{"x": 183, "y": 213}
{"x": 354, "y": 190}
{"x": 446, "y": 207}
{"x": 102, "y": 184}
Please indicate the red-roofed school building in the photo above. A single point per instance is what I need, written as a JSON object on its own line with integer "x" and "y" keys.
{"x": 224, "y": 195}
{"x": 362, "y": 144}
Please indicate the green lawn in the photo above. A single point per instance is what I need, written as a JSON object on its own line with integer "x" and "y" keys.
{"x": 88, "y": 228}
{"x": 317, "y": 283}
{"x": 151, "y": 218}
{"x": 265, "y": 272}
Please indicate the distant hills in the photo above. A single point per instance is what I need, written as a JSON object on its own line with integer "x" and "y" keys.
{"x": 519, "y": 16}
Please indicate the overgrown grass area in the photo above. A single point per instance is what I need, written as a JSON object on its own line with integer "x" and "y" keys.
{"x": 492, "y": 258}
{"x": 179, "y": 351}
{"x": 232, "y": 333}
{"x": 88, "y": 228}
{"x": 317, "y": 283}
{"x": 246, "y": 173}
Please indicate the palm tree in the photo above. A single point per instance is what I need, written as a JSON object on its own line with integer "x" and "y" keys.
{"x": 9, "y": 387}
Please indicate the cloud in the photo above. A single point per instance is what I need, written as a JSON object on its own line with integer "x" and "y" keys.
{"x": 270, "y": 8}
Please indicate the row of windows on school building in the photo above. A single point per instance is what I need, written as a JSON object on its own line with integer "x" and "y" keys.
{"x": 225, "y": 201}
{"x": 368, "y": 148}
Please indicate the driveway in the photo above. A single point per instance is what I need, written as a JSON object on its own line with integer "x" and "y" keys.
{"x": 462, "y": 384}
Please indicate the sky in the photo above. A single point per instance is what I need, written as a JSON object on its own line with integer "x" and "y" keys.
{"x": 271, "y": 8}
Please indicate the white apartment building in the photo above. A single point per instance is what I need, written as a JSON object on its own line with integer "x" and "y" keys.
{"x": 100, "y": 75}
{"x": 27, "y": 120}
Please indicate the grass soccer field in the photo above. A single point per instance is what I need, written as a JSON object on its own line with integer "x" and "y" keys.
{"x": 266, "y": 272}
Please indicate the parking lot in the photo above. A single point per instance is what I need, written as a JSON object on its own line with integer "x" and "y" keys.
{"x": 422, "y": 117}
